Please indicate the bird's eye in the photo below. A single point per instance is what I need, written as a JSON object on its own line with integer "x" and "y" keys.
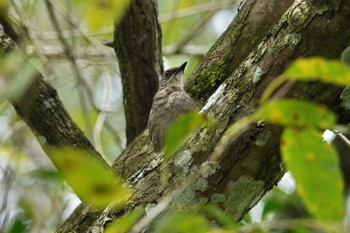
{"x": 167, "y": 73}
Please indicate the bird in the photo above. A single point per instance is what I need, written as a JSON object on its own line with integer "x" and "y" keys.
{"x": 170, "y": 101}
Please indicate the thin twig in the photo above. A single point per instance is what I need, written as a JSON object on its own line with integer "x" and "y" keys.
{"x": 95, "y": 55}
{"x": 194, "y": 32}
{"x": 74, "y": 22}
{"x": 70, "y": 54}
{"x": 110, "y": 57}
{"x": 198, "y": 9}
{"x": 196, "y": 50}
{"x": 27, "y": 28}
{"x": 102, "y": 115}
{"x": 91, "y": 54}
{"x": 7, "y": 181}
{"x": 171, "y": 23}
{"x": 343, "y": 138}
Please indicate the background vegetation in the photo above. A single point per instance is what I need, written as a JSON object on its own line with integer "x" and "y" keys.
{"x": 35, "y": 197}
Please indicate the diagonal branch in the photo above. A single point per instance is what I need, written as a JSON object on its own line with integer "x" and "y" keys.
{"x": 70, "y": 54}
{"x": 246, "y": 31}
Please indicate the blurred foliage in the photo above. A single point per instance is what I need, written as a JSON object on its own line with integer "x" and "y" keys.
{"x": 310, "y": 69}
{"x": 125, "y": 223}
{"x": 324, "y": 70}
{"x": 312, "y": 162}
{"x": 296, "y": 113}
{"x": 181, "y": 129}
{"x": 102, "y": 13}
{"x": 15, "y": 80}
{"x": 315, "y": 167}
{"x": 89, "y": 178}
{"x": 220, "y": 217}
{"x": 345, "y": 56}
{"x": 182, "y": 223}
{"x": 35, "y": 198}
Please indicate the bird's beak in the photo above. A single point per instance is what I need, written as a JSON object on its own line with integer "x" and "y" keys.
{"x": 182, "y": 67}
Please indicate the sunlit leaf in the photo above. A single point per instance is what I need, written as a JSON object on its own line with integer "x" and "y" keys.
{"x": 3, "y": 3}
{"x": 314, "y": 165}
{"x": 295, "y": 112}
{"x": 91, "y": 180}
{"x": 330, "y": 71}
{"x": 182, "y": 129}
{"x": 125, "y": 223}
{"x": 182, "y": 223}
{"x": 313, "y": 69}
{"x": 183, "y": 4}
{"x": 102, "y": 13}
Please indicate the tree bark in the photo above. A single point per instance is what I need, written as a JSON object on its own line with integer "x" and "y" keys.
{"x": 251, "y": 165}
{"x": 137, "y": 41}
{"x": 251, "y": 25}
{"x": 39, "y": 106}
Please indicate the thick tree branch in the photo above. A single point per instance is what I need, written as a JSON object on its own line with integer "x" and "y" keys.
{"x": 138, "y": 47}
{"x": 42, "y": 110}
{"x": 246, "y": 31}
{"x": 40, "y": 107}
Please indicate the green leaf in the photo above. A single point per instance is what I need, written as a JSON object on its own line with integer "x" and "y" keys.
{"x": 181, "y": 129}
{"x": 182, "y": 223}
{"x": 3, "y": 3}
{"x": 329, "y": 71}
{"x": 90, "y": 179}
{"x": 221, "y": 217}
{"x": 46, "y": 174}
{"x": 314, "y": 165}
{"x": 126, "y": 222}
{"x": 20, "y": 225}
{"x": 297, "y": 113}
{"x": 345, "y": 56}
{"x": 314, "y": 69}
{"x": 102, "y": 13}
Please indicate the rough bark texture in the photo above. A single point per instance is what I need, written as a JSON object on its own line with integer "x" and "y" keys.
{"x": 251, "y": 166}
{"x": 247, "y": 30}
{"x": 138, "y": 48}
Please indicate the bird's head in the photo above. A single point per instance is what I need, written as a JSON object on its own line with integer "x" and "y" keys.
{"x": 173, "y": 76}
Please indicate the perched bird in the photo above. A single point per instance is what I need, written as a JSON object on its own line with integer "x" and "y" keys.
{"x": 170, "y": 102}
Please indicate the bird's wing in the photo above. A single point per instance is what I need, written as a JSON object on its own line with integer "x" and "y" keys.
{"x": 180, "y": 102}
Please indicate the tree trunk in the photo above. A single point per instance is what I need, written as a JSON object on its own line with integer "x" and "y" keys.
{"x": 137, "y": 40}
